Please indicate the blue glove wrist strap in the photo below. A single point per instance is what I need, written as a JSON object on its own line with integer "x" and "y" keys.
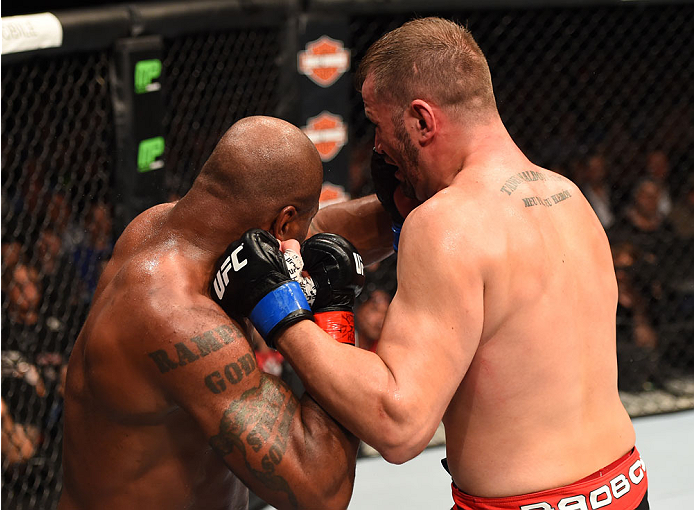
{"x": 396, "y": 228}
{"x": 276, "y": 305}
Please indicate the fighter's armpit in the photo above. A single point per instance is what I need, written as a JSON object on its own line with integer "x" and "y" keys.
{"x": 183, "y": 353}
{"x": 256, "y": 427}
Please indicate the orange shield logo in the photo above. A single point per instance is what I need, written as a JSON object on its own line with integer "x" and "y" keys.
{"x": 324, "y": 60}
{"x": 328, "y": 133}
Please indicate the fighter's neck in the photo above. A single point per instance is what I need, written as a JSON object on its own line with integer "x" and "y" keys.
{"x": 206, "y": 226}
{"x": 492, "y": 149}
{"x": 487, "y": 149}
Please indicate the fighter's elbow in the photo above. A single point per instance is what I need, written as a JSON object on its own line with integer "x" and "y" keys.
{"x": 401, "y": 453}
{"x": 318, "y": 496}
{"x": 402, "y": 430}
{"x": 403, "y": 443}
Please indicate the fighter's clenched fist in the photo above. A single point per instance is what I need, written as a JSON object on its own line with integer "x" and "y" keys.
{"x": 337, "y": 271}
{"x": 252, "y": 280}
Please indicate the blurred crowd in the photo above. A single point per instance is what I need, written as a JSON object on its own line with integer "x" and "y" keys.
{"x": 645, "y": 202}
{"x": 650, "y": 226}
{"x": 53, "y": 251}
{"x": 54, "y": 247}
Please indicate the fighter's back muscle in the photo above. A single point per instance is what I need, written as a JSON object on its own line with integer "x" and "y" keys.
{"x": 115, "y": 411}
{"x": 144, "y": 286}
{"x": 546, "y": 353}
{"x": 545, "y": 250}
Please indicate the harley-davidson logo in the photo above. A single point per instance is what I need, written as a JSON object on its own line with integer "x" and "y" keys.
{"x": 328, "y": 133}
{"x": 324, "y": 60}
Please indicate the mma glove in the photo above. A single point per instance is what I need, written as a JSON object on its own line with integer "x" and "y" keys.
{"x": 251, "y": 279}
{"x": 337, "y": 271}
{"x": 385, "y": 183}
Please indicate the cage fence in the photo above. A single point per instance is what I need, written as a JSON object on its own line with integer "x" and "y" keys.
{"x": 601, "y": 94}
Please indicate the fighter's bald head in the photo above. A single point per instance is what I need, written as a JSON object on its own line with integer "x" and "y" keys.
{"x": 264, "y": 164}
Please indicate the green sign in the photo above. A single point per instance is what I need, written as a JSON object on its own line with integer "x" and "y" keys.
{"x": 148, "y": 152}
{"x": 146, "y": 71}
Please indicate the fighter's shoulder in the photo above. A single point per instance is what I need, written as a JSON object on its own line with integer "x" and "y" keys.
{"x": 445, "y": 224}
{"x": 447, "y": 211}
{"x": 140, "y": 231}
{"x": 158, "y": 290}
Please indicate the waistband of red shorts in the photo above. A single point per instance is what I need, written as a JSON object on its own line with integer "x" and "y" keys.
{"x": 620, "y": 485}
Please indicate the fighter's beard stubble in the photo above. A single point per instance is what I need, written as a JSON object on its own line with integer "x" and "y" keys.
{"x": 409, "y": 153}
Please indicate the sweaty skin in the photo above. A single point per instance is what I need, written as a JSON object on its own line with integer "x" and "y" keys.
{"x": 503, "y": 324}
{"x": 165, "y": 407}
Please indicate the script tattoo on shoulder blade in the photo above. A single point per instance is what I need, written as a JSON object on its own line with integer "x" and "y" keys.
{"x": 259, "y": 421}
{"x": 516, "y": 180}
{"x": 549, "y": 201}
{"x": 195, "y": 348}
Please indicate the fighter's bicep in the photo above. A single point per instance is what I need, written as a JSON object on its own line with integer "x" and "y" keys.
{"x": 437, "y": 312}
{"x": 198, "y": 366}
{"x": 245, "y": 414}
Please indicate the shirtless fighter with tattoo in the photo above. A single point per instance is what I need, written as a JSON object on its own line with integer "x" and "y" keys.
{"x": 503, "y": 324}
{"x": 165, "y": 407}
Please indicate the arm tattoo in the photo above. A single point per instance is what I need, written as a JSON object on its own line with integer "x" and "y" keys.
{"x": 195, "y": 348}
{"x": 260, "y": 419}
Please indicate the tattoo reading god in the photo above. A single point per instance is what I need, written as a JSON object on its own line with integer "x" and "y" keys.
{"x": 260, "y": 420}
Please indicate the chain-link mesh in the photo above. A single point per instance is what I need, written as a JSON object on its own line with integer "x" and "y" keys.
{"x": 58, "y": 150}
{"x": 601, "y": 94}
{"x": 214, "y": 80}
{"x": 604, "y": 96}
{"x": 57, "y": 144}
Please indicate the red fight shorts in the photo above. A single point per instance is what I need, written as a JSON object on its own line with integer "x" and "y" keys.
{"x": 620, "y": 486}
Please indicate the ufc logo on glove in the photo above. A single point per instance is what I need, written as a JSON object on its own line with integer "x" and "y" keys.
{"x": 222, "y": 278}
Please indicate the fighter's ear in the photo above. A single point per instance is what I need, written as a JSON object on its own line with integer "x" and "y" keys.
{"x": 283, "y": 228}
{"x": 425, "y": 120}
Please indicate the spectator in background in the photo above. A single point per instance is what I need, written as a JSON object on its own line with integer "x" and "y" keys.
{"x": 11, "y": 255}
{"x": 23, "y": 393}
{"x": 658, "y": 170}
{"x": 369, "y": 319}
{"x": 597, "y": 191}
{"x": 23, "y": 414}
{"x": 682, "y": 215}
{"x": 92, "y": 254}
{"x": 651, "y": 233}
{"x": 23, "y": 296}
{"x": 62, "y": 312}
{"x": 20, "y": 378}
{"x": 40, "y": 198}
{"x": 681, "y": 288}
{"x": 18, "y": 444}
{"x": 636, "y": 338}
{"x": 644, "y": 224}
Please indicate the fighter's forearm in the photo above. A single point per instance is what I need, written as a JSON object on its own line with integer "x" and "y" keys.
{"x": 326, "y": 443}
{"x": 355, "y": 386}
{"x": 362, "y": 221}
{"x": 290, "y": 452}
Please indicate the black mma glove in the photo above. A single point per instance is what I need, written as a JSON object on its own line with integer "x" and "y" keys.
{"x": 337, "y": 271}
{"x": 385, "y": 183}
{"x": 252, "y": 280}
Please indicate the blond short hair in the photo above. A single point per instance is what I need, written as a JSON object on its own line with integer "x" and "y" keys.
{"x": 432, "y": 59}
